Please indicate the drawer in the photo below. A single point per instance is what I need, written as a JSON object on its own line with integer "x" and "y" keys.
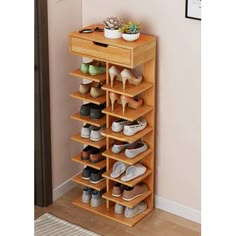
{"x": 101, "y": 51}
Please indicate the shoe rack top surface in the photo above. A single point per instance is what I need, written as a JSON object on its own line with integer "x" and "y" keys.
{"x": 117, "y": 51}
{"x": 99, "y": 37}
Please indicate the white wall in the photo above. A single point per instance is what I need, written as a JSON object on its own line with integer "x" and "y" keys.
{"x": 63, "y": 18}
{"x": 178, "y": 69}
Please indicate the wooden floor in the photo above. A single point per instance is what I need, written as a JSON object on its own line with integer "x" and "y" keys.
{"x": 156, "y": 223}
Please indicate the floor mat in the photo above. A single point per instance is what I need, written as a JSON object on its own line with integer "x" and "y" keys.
{"x": 49, "y": 225}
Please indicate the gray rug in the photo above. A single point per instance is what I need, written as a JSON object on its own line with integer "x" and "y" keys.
{"x": 49, "y": 225}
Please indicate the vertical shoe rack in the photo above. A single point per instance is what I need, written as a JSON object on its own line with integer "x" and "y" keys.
{"x": 141, "y": 55}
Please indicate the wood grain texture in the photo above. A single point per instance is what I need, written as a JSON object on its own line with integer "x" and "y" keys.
{"x": 97, "y": 78}
{"x": 121, "y": 156}
{"x": 86, "y": 119}
{"x": 130, "y": 183}
{"x": 99, "y": 186}
{"x": 130, "y": 89}
{"x": 88, "y": 98}
{"x": 87, "y": 141}
{"x": 97, "y": 166}
{"x": 130, "y": 113}
{"x": 120, "y": 136}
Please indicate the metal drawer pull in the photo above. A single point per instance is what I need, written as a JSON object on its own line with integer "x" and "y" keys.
{"x": 101, "y": 44}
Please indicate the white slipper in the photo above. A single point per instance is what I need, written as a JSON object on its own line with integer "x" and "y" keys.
{"x": 133, "y": 172}
{"x": 118, "y": 169}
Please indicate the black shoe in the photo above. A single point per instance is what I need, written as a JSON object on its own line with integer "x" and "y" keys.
{"x": 96, "y": 112}
{"x": 86, "y": 174}
{"x": 85, "y": 109}
{"x": 96, "y": 176}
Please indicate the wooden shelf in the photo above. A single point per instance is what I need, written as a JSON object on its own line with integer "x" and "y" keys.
{"x": 87, "y": 141}
{"x": 97, "y": 166}
{"x": 99, "y": 186}
{"x": 110, "y": 213}
{"x": 130, "y": 183}
{"x": 130, "y": 89}
{"x": 130, "y": 113}
{"x": 96, "y": 78}
{"x": 121, "y": 156}
{"x": 87, "y": 119}
{"x": 131, "y": 204}
{"x": 120, "y": 136}
{"x": 88, "y": 98}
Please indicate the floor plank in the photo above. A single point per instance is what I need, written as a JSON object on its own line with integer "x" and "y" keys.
{"x": 156, "y": 223}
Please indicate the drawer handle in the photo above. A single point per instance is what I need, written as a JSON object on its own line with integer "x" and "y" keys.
{"x": 101, "y": 44}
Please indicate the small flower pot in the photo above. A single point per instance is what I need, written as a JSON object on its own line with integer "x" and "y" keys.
{"x": 112, "y": 34}
{"x": 130, "y": 37}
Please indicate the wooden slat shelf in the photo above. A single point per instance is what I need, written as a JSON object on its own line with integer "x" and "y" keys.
{"x": 110, "y": 213}
{"x": 120, "y": 136}
{"x": 99, "y": 186}
{"x": 87, "y": 97}
{"x": 130, "y": 89}
{"x": 96, "y": 78}
{"x": 130, "y": 183}
{"x": 97, "y": 166}
{"x": 121, "y": 156}
{"x": 130, "y": 113}
{"x": 131, "y": 204}
{"x": 87, "y": 141}
{"x": 86, "y": 119}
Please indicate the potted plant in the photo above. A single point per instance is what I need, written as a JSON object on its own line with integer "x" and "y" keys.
{"x": 111, "y": 27}
{"x": 130, "y": 31}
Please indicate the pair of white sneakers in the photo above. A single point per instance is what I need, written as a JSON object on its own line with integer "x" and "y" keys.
{"x": 129, "y": 128}
{"x": 92, "y": 132}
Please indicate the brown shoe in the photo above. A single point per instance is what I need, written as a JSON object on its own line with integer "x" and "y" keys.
{"x": 117, "y": 190}
{"x": 86, "y": 152}
{"x": 96, "y": 155}
{"x": 131, "y": 193}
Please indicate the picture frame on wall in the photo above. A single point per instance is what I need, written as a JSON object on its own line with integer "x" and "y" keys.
{"x": 193, "y": 9}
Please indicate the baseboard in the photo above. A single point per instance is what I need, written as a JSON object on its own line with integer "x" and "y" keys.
{"x": 178, "y": 209}
{"x": 63, "y": 188}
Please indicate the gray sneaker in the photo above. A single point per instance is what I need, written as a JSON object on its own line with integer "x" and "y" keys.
{"x": 87, "y": 194}
{"x": 119, "y": 209}
{"x": 96, "y": 199}
{"x": 132, "y": 212}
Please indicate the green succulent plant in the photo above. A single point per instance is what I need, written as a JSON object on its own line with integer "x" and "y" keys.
{"x": 130, "y": 28}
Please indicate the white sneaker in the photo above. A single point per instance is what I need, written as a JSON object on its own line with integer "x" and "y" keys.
{"x": 136, "y": 126}
{"x": 86, "y": 130}
{"x": 95, "y": 134}
{"x": 136, "y": 149}
{"x": 118, "y": 125}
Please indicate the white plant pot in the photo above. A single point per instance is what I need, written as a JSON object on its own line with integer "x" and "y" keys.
{"x": 130, "y": 37}
{"x": 112, "y": 34}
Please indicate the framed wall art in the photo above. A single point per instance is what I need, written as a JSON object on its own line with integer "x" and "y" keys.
{"x": 193, "y": 9}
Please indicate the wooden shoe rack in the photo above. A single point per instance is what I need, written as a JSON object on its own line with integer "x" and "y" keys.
{"x": 139, "y": 55}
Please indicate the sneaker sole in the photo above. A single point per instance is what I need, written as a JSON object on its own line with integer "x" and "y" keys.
{"x": 130, "y": 199}
{"x": 96, "y": 140}
{"x": 82, "y": 136}
{"x": 98, "y": 181}
{"x": 114, "y": 195}
{"x": 85, "y": 178}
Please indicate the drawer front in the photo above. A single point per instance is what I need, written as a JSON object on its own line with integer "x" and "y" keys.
{"x": 101, "y": 51}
